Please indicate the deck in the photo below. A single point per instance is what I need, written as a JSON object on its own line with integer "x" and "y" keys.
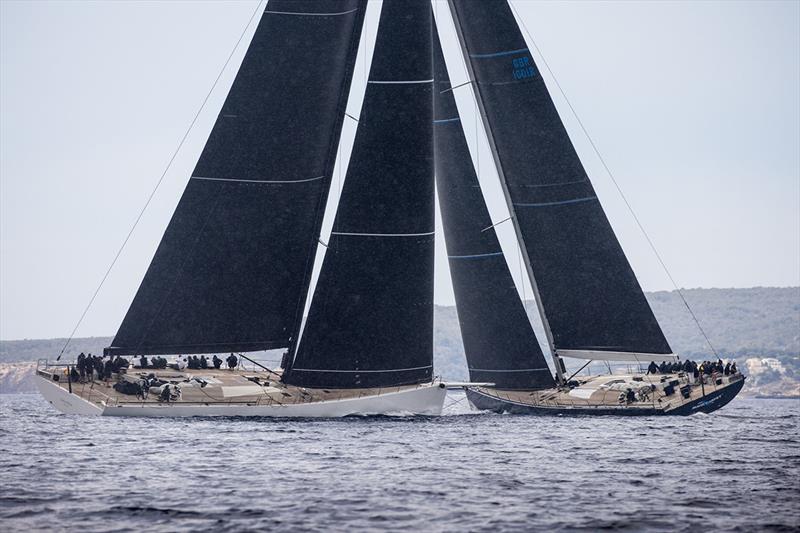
{"x": 607, "y": 392}
{"x": 254, "y": 387}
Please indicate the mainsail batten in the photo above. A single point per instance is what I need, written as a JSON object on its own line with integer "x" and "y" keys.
{"x": 370, "y": 323}
{"x": 586, "y": 289}
{"x": 234, "y": 261}
{"x": 499, "y": 342}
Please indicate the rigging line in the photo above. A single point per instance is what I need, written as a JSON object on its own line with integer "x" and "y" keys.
{"x": 496, "y": 224}
{"x": 614, "y": 181}
{"x": 158, "y": 183}
{"x": 455, "y": 87}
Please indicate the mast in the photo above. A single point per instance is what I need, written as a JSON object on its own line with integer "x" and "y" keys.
{"x": 235, "y": 259}
{"x": 587, "y": 293}
{"x": 499, "y": 341}
{"x": 558, "y": 363}
{"x": 370, "y": 322}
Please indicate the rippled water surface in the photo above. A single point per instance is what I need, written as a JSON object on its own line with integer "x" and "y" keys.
{"x": 737, "y": 469}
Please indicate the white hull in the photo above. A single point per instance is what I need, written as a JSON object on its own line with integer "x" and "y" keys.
{"x": 423, "y": 400}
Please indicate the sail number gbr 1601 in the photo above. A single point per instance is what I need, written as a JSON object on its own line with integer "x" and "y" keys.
{"x": 523, "y": 68}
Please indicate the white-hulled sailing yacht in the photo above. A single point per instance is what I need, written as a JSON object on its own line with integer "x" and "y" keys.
{"x": 234, "y": 266}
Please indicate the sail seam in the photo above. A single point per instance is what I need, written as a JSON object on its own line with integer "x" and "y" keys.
{"x": 499, "y": 54}
{"x": 512, "y": 370}
{"x": 361, "y": 371}
{"x": 401, "y": 82}
{"x": 475, "y": 256}
{"x": 352, "y": 234}
{"x": 258, "y": 181}
{"x": 562, "y": 202}
{"x": 574, "y": 182}
{"x": 300, "y": 13}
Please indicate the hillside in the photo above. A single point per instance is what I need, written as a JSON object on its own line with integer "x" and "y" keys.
{"x": 741, "y": 323}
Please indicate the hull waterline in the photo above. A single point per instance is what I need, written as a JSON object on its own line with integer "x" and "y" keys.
{"x": 426, "y": 400}
{"x": 483, "y": 400}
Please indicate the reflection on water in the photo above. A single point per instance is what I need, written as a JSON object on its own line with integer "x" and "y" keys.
{"x": 736, "y": 469}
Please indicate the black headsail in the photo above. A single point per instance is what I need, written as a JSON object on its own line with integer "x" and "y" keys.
{"x": 370, "y": 323}
{"x": 499, "y": 342}
{"x": 236, "y": 257}
{"x": 590, "y": 297}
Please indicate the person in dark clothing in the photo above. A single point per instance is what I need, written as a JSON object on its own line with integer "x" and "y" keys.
{"x": 108, "y": 369}
{"x": 663, "y": 367}
{"x": 653, "y": 368}
{"x": 164, "y": 397}
{"x": 74, "y": 376}
{"x": 630, "y": 396}
{"x": 81, "y": 364}
{"x": 217, "y": 361}
{"x": 89, "y": 367}
{"x": 232, "y": 361}
{"x": 143, "y": 362}
{"x": 203, "y": 362}
{"x": 727, "y": 370}
{"x": 733, "y": 368}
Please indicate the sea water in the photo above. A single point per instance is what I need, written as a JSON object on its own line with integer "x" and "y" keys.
{"x": 737, "y": 469}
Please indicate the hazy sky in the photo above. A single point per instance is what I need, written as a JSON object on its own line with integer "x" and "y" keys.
{"x": 694, "y": 105}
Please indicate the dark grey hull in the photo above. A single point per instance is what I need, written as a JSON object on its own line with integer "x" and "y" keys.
{"x": 706, "y": 404}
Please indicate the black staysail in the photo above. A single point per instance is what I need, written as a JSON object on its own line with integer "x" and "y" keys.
{"x": 590, "y": 296}
{"x": 370, "y": 323}
{"x": 236, "y": 256}
{"x": 499, "y": 342}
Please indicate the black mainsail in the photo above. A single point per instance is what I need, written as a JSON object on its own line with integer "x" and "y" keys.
{"x": 235, "y": 260}
{"x": 591, "y": 302}
{"x": 499, "y": 342}
{"x": 370, "y": 322}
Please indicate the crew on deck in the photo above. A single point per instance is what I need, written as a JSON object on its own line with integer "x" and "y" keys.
{"x": 217, "y": 361}
{"x": 232, "y": 361}
{"x": 691, "y": 368}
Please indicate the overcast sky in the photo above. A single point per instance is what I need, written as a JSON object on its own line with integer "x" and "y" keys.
{"x": 695, "y": 106}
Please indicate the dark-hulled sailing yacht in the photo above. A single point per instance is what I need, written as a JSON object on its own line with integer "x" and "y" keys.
{"x": 234, "y": 267}
{"x": 589, "y": 299}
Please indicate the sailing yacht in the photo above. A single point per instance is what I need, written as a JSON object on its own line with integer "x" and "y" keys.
{"x": 589, "y": 300}
{"x": 233, "y": 270}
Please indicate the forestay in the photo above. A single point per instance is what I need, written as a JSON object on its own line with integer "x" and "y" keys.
{"x": 499, "y": 342}
{"x": 236, "y": 257}
{"x": 591, "y": 299}
{"x": 370, "y": 322}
